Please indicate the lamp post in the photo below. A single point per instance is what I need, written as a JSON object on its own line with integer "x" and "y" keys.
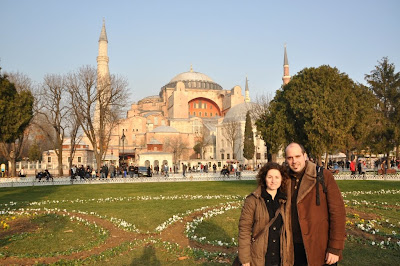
{"x": 123, "y": 147}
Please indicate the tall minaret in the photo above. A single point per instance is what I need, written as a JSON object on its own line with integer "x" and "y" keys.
{"x": 102, "y": 58}
{"x": 103, "y": 74}
{"x": 286, "y": 76}
{"x": 247, "y": 92}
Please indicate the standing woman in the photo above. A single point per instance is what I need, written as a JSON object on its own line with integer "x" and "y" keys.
{"x": 265, "y": 236}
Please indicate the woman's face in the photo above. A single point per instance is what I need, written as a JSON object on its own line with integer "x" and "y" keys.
{"x": 273, "y": 179}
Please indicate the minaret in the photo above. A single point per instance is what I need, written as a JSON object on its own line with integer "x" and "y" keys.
{"x": 286, "y": 76}
{"x": 247, "y": 92}
{"x": 103, "y": 75}
{"x": 102, "y": 58}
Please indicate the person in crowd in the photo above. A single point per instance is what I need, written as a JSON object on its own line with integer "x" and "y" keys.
{"x": 318, "y": 216}
{"x": 214, "y": 168}
{"x": 131, "y": 170}
{"x": 104, "y": 171}
{"x": 353, "y": 167}
{"x": 264, "y": 227}
{"x": 166, "y": 170}
{"x": 184, "y": 168}
{"x": 112, "y": 170}
{"x": 94, "y": 174}
{"x": 22, "y": 172}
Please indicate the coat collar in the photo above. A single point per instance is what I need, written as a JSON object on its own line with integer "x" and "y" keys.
{"x": 257, "y": 193}
{"x": 308, "y": 181}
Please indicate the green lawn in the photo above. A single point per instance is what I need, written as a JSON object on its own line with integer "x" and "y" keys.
{"x": 147, "y": 206}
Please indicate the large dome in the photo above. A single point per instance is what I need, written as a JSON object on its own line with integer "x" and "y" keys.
{"x": 194, "y": 80}
{"x": 238, "y": 112}
{"x": 191, "y": 76}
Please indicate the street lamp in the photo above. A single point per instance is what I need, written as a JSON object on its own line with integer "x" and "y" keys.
{"x": 123, "y": 147}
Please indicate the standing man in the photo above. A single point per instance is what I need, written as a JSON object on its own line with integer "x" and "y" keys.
{"x": 166, "y": 168}
{"x": 318, "y": 230}
{"x": 104, "y": 171}
{"x": 131, "y": 170}
{"x": 112, "y": 170}
{"x": 184, "y": 167}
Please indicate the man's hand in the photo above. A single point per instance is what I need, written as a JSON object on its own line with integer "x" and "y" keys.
{"x": 246, "y": 264}
{"x": 331, "y": 258}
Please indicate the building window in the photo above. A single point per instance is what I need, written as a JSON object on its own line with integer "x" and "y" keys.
{"x": 155, "y": 120}
{"x": 258, "y": 156}
{"x": 148, "y": 121}
{"x": 194, "y": 113}
{"x": 210, "y": 114}
{"x": 210, "y": 106}
{"x": 205, "y": 113}
{"x": 49, "y": 159}
{"x": 265, "y": 156}
{"x": 199, "y": 113}
{"x": 79, "y": 159}
{"x": 222, "y": 156}
{"x": 228, "y": 156}
{"x": 163, "y": 122}
{"x": 205, "y": 106}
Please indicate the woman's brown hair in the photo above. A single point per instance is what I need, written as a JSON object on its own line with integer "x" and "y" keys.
{"x": 262, "y": 173}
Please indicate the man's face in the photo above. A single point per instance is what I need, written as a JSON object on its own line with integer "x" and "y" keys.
{"x": 295, "y": 158}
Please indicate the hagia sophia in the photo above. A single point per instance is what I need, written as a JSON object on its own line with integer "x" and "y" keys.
{"x": 164, "y": 128}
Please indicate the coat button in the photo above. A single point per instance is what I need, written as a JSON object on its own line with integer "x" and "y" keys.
{"x": 267, "y": 200}
{"x": 273, "y": 254}
{"x": 274, "y": 228}
{"x": 274, "y": 240}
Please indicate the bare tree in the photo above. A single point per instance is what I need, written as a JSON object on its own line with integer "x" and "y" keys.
{"x": 98, "y": 104}
{"x": 53, "y": 106}
{"x": 175, "y": 145}
{"x": 74, "y": 136}
{"x": 203, "y": 139}
{"x": 232, "y": 133}
{"x": 260, "y": 108}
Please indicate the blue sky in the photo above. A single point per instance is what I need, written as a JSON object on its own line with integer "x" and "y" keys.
{"x": 150, "y": 42}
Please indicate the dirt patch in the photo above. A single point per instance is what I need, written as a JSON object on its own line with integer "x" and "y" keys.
{"x": 17, "y": 226}
{"x": 363, "y": 215}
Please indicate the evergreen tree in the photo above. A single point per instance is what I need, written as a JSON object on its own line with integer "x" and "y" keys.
{"x": 317, "y": 108}
{"x": 384, "y": 83}
{"x": 248, "y": 145}
{"x": 15, "y": 116}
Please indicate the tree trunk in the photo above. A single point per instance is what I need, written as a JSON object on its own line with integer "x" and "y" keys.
{"x": 60, "y": 164}
{"x": 326, "y": 160}
{"x": 13, "y": 167}
{"x": 273, "y": 157}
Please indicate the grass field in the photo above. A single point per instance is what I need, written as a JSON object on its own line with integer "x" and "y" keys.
{"x": 170, "y": 223}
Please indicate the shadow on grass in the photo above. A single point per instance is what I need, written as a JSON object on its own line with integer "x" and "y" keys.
{"x": 24, "y": 195}
{"x": 148, "y": 257}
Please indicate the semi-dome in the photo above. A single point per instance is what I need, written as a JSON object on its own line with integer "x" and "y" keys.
{"x": 238, "y": 112}
{"x": 150, "y": 99}
{"x": 194, "y": 80}
{"x": 164, "y": 129}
